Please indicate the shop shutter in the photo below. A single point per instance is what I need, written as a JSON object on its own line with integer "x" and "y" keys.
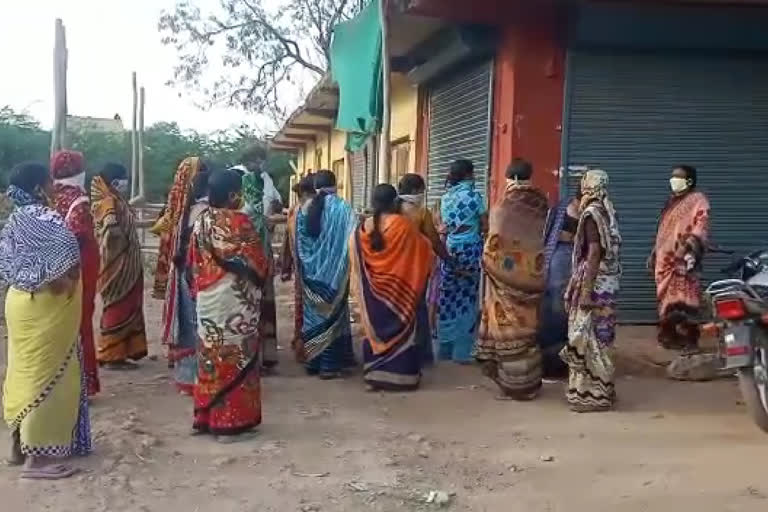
{"x": 357, "y": 162}
{"x": 459, "y": 126}
{"x": 638, "y": 114}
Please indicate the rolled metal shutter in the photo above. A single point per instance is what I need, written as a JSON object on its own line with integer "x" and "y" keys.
{"x": 636, "y": 115}
{"x": 357, "y": 171}
{"x": 460, "y": 126}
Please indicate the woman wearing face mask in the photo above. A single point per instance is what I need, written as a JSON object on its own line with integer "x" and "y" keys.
{"x": 391, "y": 262}
{"x": 515, "y": 270}
{"x": 676, "y": 261}
{"x": 229, "y": 268}
{"x": 121, "y": 280}
{"x": 73, "y": 204}
{"x": 463, "y": 213}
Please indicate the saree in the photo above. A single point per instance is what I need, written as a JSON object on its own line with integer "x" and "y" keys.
{"x": 43, "y": 388}
{"x": 121, "y": 280}
{"x": 514, "y": 263}
{"x": 552, "y": 334}
{"x": 461, "y": 209}
{"x": 681, "y": 238}
{"x": 255, "y": 200}
{"x": 389, "y": 286}
{"x": 324, "y": 274}
{"x": 230, "y": 267}
{"x": 288, "y": 264}
{"x": 73, "y": 205}
{"x": 592, "y": 305}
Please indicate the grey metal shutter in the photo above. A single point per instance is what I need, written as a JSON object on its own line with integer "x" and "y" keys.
{"x": 357, "y": 172}
{"x": 638, "y": 114}
{"x": 460, "y": 126}
{"x": 371, "y": 163}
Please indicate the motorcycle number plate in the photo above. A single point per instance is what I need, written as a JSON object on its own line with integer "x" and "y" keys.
{"x": 737, "y": 346}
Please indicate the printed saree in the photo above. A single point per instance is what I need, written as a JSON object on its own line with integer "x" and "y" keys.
{"x": 514, "y": 263}
{"x": 121, "y": 280}
{"x": 389, "y": 286}
{"x": 230, "y": 268}
{"x": 681, "y": 238}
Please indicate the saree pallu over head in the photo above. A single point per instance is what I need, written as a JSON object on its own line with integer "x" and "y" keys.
{"x": 230, "y": 267}
{"x": 172, "y": 221}
{"x": 324, "y": 272}
{"x": 683, "y": 231}
{"x": 390, "y": 284}
{"x": 121, "y": 280}
{"x": 514, "y": 262}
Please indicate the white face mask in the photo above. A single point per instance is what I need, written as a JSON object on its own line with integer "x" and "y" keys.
{"x": 678, "y": 185}
{"x": 414, "y": 199}
{"x": 121, "y": 186}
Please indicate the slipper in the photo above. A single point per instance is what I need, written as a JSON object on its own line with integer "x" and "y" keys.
{"x": 239, "y": 438}
{"x": 50, "y": 472}
{"x": 121, "y": 366}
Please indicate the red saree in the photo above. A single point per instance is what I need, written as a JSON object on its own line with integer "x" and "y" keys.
{"x": 230, "y": 267}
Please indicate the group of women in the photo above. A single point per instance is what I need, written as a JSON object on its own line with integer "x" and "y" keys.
{"x": 549, "y": 297}
{"x": 58, "y": 249}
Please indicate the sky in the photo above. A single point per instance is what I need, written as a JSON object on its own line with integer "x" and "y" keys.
{"x": 107, "y": 40}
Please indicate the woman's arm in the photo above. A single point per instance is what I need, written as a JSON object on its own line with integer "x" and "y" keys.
{"x": 594, "y": 255}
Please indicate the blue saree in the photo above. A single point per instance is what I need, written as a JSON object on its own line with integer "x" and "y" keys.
{"x": 461, "y": 209}
{"x": 553, "y": 324}
{"x": 326, "y": 333}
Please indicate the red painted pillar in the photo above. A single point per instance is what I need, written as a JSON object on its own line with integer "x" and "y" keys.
{"x": 528, "y": 98}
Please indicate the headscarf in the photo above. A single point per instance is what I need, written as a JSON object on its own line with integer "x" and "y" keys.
{"x": 168, "y": 225}
{"x": 595, "y": 203}
{"x": 36, "y": 248}
{"x": 67, "y": 163}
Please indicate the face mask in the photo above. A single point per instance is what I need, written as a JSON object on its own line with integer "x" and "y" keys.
{"x": 121, "y": 186}
{"x": 75, "y": 181}
{"x": 414, "y": 199}
{"x": 678, "y": 185}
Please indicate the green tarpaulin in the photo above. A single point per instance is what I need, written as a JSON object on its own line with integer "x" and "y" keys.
{"x": 356, "y": 67}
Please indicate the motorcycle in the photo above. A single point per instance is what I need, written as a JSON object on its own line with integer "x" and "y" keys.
{"x": 740, "y": 308}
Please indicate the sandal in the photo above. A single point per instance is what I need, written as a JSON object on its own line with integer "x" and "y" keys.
{"x": 121, "y": 366}
{"x": 49, "y": 472}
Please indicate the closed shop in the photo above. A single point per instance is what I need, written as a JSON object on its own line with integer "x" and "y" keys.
{"x": 460, "y": 125}
{"x": 636, "y": 111}
{"x": 363, "y": 174}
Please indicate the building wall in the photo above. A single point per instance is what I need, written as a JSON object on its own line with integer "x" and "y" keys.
{"x": 404, "y": 104}
{"x": 528, "y": 98}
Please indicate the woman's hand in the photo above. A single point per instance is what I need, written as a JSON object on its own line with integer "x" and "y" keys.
{"x": 650, "y": 263}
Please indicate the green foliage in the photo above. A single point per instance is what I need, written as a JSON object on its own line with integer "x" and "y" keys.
{"x": 165, "y": 145}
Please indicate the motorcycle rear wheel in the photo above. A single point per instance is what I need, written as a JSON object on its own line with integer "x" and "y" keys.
{"x": 754, "y": 397}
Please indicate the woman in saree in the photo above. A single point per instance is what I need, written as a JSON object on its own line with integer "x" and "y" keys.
{"x": 676, "y": 261}
{"x": 411, "y": 193}
{"x": 391, "y": 263}
{"x": 186, "y": 200}
{"x": 253, "y": 198}
{"x": 73, "y": 204}
{"x": 515, "y": 271}
{"x": 323, "y": 228}
{"x": 121, "y": 280}
{"x": 40, "y": 261}
{"x": 553, "y": 323}
{"x": 591, "y": 299}
{"x": 305, "y": 191}
{"x": 229, "y": 267}
{"x": 463, "y": 213}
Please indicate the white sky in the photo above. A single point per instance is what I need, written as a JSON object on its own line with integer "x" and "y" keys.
{"x": 107, "y": 40}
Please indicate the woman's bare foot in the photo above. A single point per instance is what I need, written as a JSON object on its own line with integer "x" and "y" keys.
{"x": 17, "y": 457}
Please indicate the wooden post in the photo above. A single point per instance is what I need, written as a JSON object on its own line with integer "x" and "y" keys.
{"x": 385, "y": 154}
{"x": 134, "y": 139}
{"x": 142, "y": 98}
{"x": 58, "y": 133}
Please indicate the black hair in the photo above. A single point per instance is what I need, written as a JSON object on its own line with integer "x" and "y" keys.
{"x": 112, "y": 171}
{"x": 221, "y": 184}
{"x": 384, "y": 201}
{"x": 28, "y": 176}
{"x": 690, "y": 173}
{"x": 253, "y": 157}
{"x": 306, "y": 185}
{"x": 322, "y": 179}
{"x": 459, "y": 171}
{"x": 520, "y": 169}
{"x": 411, "y": 184}
{"x": 200, "y": 184}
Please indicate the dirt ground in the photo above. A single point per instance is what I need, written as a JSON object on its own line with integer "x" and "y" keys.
{"x": 329, "y": 446}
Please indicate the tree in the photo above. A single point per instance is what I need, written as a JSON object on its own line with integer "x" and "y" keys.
{"x": 262, "y": 49}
